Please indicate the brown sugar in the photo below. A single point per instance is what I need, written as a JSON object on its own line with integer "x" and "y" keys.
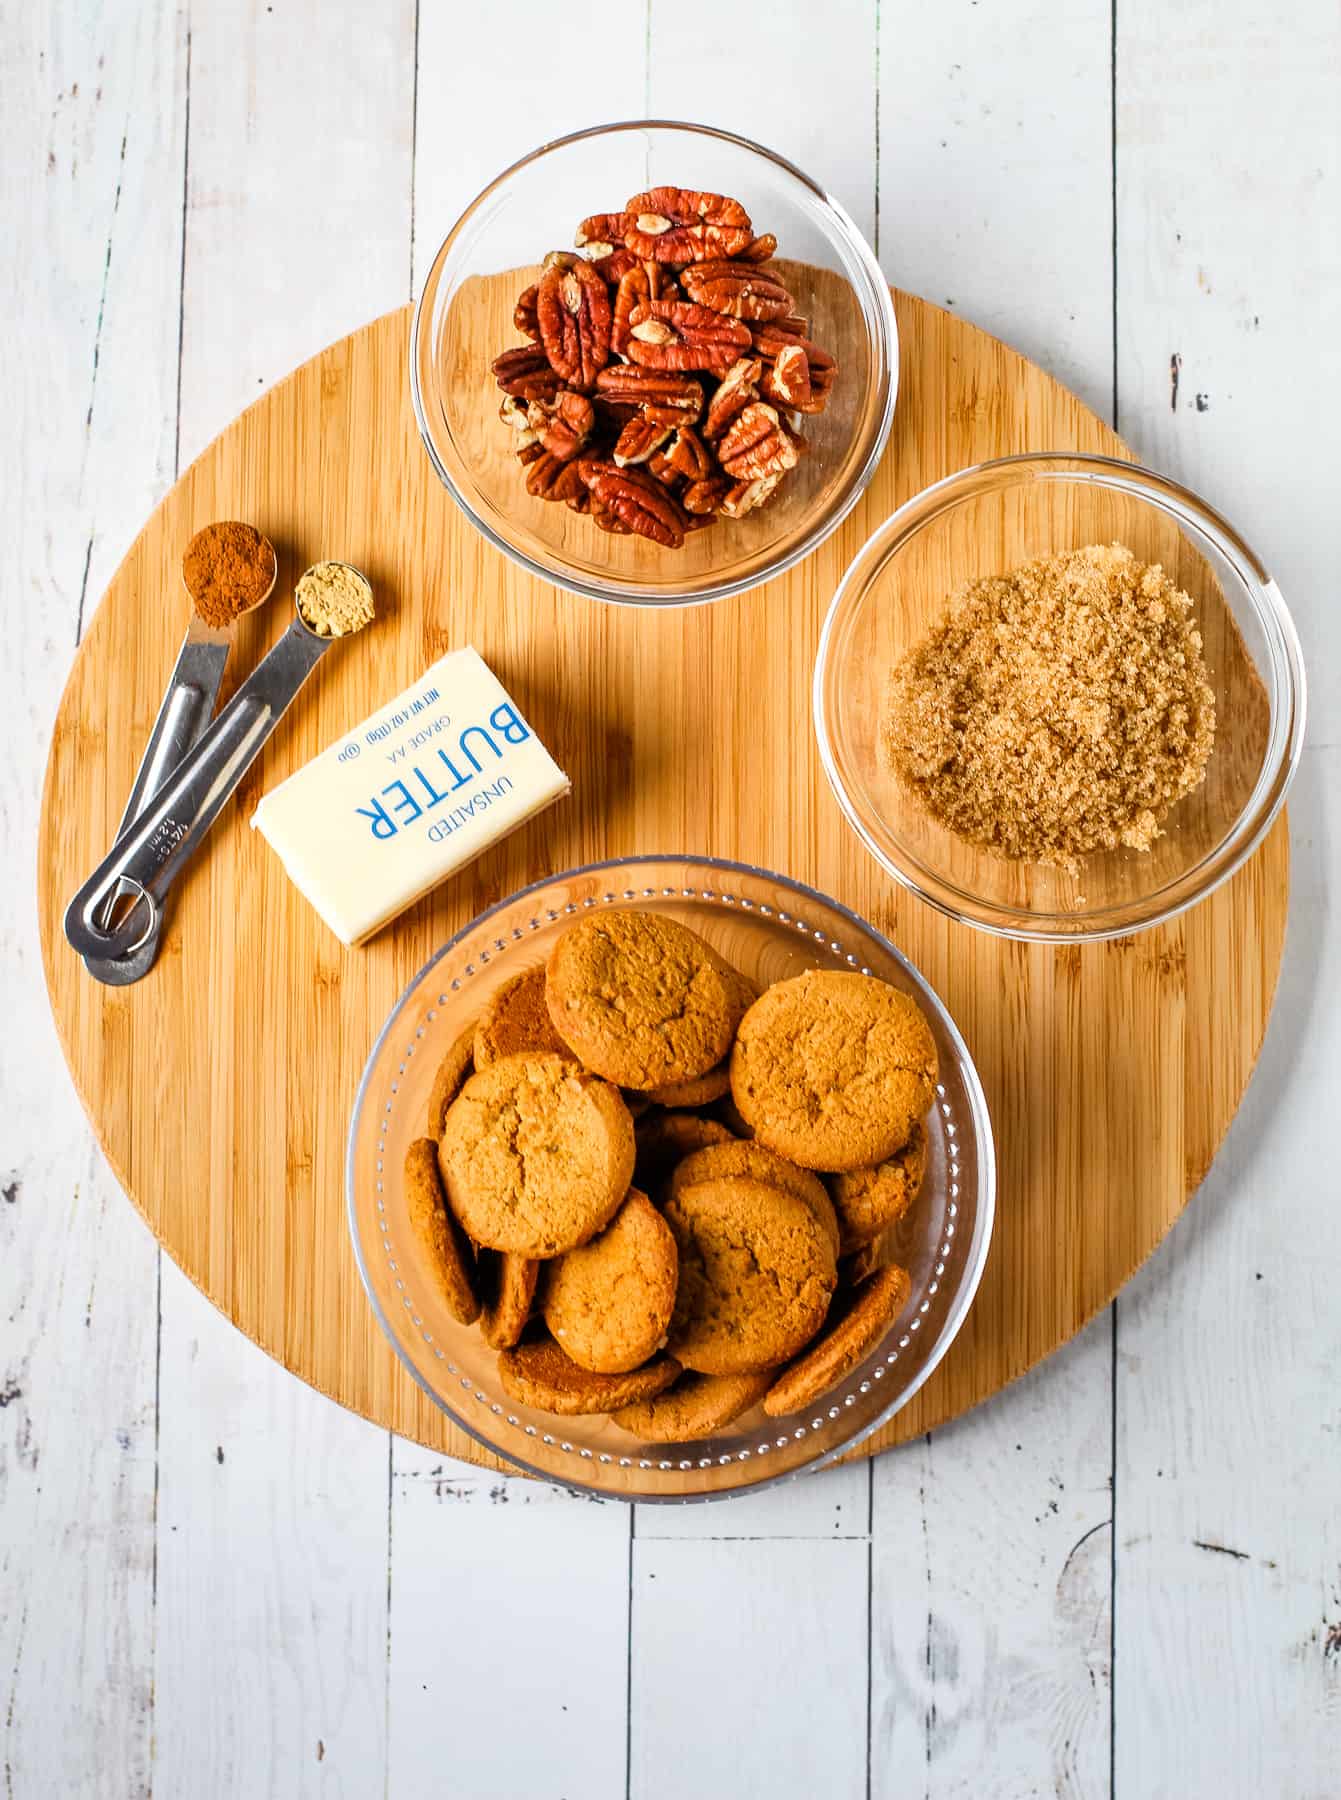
{"x": 1056, "y": 711}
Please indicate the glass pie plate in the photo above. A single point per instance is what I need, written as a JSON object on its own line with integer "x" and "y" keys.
{"x": 770, "y": 928}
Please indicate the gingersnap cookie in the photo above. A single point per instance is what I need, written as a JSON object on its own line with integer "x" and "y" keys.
{"x": 702, "y": 1090}
{"x": 833, "y": 1070}
{"x": 664, "y": 1137}
{"x": 536, "y": 1154}
{"x": 608, "y": 1304}
{"x": 507, "y": 1284}
{"x": 438, "y": 1238}
{"x": 450, "y": 1079}
{"x": 516, "y": 1020}
{"x": 695, "y": 1407}
{"x": 861, "y": 1320}
{"x": 641, "y": 999}
{"x": 756, "y": 1275}
{"x": 757, "y": 1164}
{"x": 539, "y": 1374}
{"x": 867, "y": 1201}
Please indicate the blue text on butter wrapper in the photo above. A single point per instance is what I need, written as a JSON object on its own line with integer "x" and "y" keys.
{"x": 418, "y": 791}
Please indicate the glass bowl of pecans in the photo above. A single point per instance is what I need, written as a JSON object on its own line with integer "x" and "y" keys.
{"x": 1059, "y": 697}
{"x": 654, "y": 363}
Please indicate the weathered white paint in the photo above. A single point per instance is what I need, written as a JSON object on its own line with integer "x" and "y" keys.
{"x": 270, "y": 1636}
{"x": 990, "y": 1613}
{"x": 503, "y": 1587}
{"x": 748, "y": 1672}
{"x": 90, "y": 196}
{"x": 1228, "y": 1601}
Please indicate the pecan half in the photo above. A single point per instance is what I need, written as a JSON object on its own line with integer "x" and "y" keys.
{"x": 748, "y": 496}
{"x": 706, "y": 496}
{"x": 758, "y": 444}
{"x": 573, "y": 308}
{"x": 634, "y": 290}
{"x": 599, "y": 234}
{"x": 571, "y": 489}
{"x": 787, "y": 378}
{"x": 689, "y": 455}
{"x": 639, "y": 441}
{"x": 821, "y": 369}
{"x": 739, "y": 386}
{"x": 665, "y": 471}
{"x": 684, "y": 225}
{"x": 608, "y": 521}
{"x": 568, "y": 426}
{"x": 524, "y": 316}
{"x": 542, "y": 476}
{"x": 737, "y": 289}
{"x": 642, "y": 503}
{"x": 675, "y": 334}
{"x": 759, "y": 249}
{"x": 526, "y": 372}
{"x": 614, "y": 267}
{"x": 669, "y": 398}
{"x": 530, "y": 453}
{"x": 769, "y": 335}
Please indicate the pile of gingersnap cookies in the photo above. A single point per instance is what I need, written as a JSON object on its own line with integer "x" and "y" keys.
{"x": 660, "y": 1192}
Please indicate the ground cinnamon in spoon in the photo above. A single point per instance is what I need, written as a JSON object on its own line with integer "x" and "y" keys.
{"x": 1056, "y": 711}
{"x": 228, "y": 568}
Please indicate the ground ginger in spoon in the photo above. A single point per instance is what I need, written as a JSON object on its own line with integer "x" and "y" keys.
{"x": 1056, "y": 711}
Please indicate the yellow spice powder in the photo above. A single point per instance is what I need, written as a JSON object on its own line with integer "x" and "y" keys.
{"x": 1056, "y": 711}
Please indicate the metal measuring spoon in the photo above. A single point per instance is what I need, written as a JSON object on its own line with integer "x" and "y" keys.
{"x": 187, "y": 708}
{"x": 144, "y": 863}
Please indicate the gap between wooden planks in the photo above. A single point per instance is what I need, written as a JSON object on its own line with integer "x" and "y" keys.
{"x": 220, "y": 1088}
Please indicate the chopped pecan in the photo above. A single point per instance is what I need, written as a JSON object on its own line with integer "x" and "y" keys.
{"x": 759, "y": 249}
{"x": 530, "y": 453}
{"x": 526, "y": 372}
{"x": 748, "y": 496}
{"x": 667, "y": 397}
{"x": 600, "y": 234}
{"x": 516, "y": 415}
{"x": 758, "y": 444}
{"x": 665, "y": 471}
{"x": 683, "y": 225}
{"x": 639, "y": 441}
{"x": 688, "y": 455}
{"x": 741, "y": 291}
{"x": 642, "y": 503}
{"x": 739, "y": 386}
{"x": 573, "y": 307}
{"x": 568, "y": 425}
{"x": 787, "y": 378}
{"x": 675, "y": 334}
{"x": 524, "y": 316}
{"x": 706, "y": 496}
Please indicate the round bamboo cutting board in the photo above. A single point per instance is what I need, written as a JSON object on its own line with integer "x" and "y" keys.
{"x": 220, "y": 1087}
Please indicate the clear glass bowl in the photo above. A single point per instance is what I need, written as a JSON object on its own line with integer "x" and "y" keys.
{"x": 770, "y": 928}
{"x": 464, "y": 319}
{"x": 987, "y": 520}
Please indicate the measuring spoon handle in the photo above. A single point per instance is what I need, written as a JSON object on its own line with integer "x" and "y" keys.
{"x": 146, "y": 861}
{"x": 188, "y": 706}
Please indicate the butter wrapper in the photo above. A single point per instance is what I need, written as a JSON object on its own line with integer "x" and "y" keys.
{"x": 410, "y": 796}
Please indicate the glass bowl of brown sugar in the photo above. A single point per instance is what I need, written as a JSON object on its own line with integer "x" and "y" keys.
{"x": 1059, "y": 698}
{"x": 467, "y": 315}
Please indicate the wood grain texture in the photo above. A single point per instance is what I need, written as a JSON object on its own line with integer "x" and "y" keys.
{"x": 249, "y": 981}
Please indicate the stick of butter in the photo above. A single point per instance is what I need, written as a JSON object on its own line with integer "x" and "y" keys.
{"x": 409, "y": 796}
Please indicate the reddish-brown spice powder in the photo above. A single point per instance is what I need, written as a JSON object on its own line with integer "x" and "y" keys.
{"x": 227, "y": 568}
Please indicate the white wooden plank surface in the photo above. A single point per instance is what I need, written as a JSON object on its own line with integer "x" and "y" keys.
{"x": 273, "y": 1590}
{"x": 990, "y": 1633}
{"x": 503, "y": 1587}
{"x": 1228, "y": 1602}
{"x": 748, "y": 1672}
{"x": 90, "y": 199}
{"x": 266, "y": 1667}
